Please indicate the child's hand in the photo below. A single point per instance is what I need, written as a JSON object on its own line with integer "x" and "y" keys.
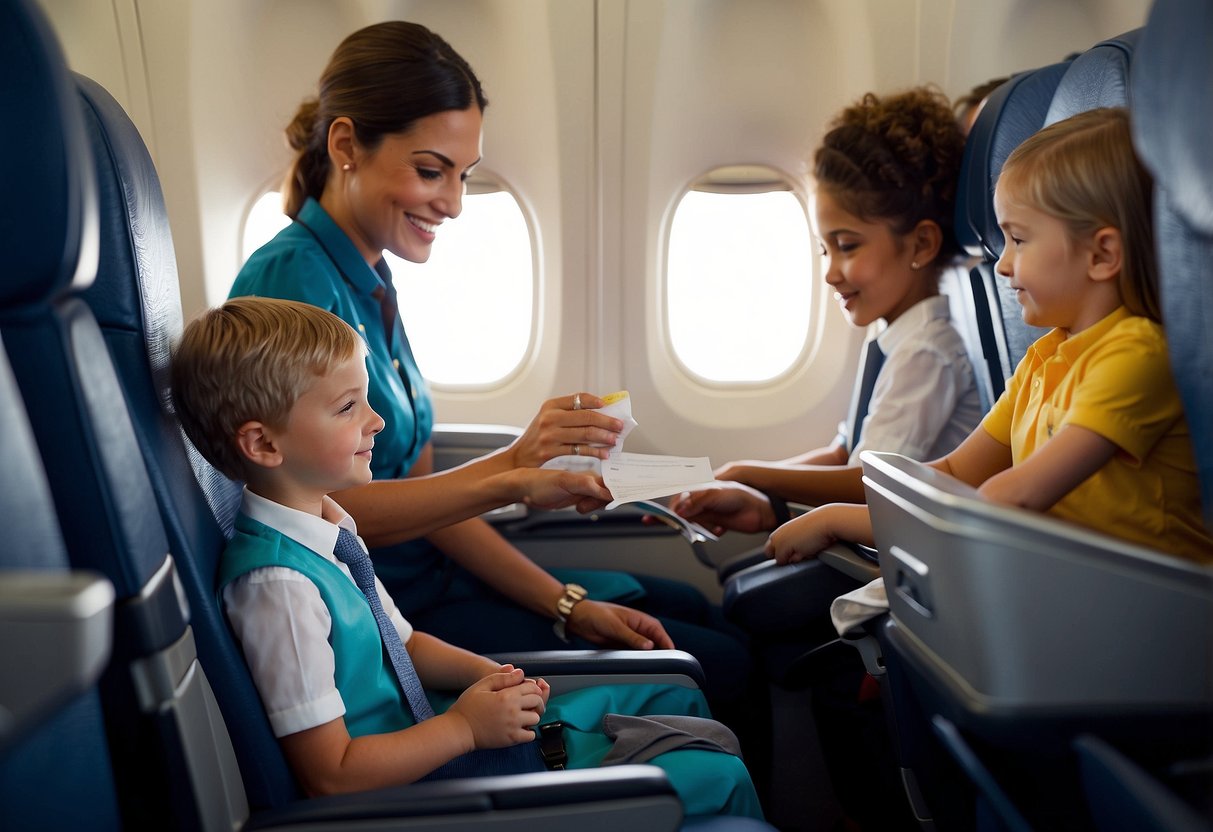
{"x": 545, "y": 691}
{"x": 500, "y": 709}
{"x": 808, "y": 534}
{"x": 739, "y": 508}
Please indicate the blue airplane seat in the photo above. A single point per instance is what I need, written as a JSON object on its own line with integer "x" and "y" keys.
{"x": 1014, "y": 111}
{"x": 1125, "y": 796}
{"x": 136, "y": 301}
{"x": 1098, "y": 77}
{"x": 55, "y": 636}
{"x": 1033, "y": 727}
{"x": 1172, "y": 106}
{"x": 55, "y": 622}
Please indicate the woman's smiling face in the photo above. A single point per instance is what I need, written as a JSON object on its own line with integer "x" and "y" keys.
{"x": 403, "y": 190}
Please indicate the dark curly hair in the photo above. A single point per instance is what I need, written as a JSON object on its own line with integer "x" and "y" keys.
{"x": 896, "y": 158}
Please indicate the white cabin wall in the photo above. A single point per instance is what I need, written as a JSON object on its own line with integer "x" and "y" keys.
{"x": 601, "y": 111}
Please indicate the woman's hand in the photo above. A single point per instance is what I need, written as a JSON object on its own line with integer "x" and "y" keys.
{"x": 559, "y": 489}
{"x": 737, "y": 507}
{"x": 500, "y": 709}
{"x": 606, "y": 624}
{"x": 566, "y": 425}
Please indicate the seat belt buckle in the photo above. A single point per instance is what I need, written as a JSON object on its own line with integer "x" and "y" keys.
{"x": 551, "y": 746}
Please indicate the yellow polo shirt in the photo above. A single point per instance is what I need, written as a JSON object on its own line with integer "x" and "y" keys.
{"x": 1114, "y": 379}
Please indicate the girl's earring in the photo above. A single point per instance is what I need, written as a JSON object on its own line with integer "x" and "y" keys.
{"x": 347, "y": 166}
{"x": 914, "y": 265}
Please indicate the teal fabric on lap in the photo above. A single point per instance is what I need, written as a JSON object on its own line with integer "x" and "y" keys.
{"x": 707, "y": 782}
{"x": 617, "y": 587}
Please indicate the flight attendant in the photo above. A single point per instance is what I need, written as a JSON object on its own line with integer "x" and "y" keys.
{"x": 383, "y": 153}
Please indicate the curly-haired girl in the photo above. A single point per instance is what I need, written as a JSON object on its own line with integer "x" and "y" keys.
{"x": 886, "y": 174}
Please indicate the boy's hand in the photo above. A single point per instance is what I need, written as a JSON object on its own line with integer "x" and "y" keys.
{"x": 738, "y": 507}
{"x": 559, "y": 489}
{"x": 501, "y": 709}
{"x": 557, "y": 428}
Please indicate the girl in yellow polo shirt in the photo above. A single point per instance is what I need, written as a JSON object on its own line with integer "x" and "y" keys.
{"x": 1091, "y": 428}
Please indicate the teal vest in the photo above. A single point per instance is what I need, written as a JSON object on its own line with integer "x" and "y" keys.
{"x": 365, "y": 678}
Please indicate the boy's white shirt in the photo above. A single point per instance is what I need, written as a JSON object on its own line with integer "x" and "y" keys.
{"x": 283, "y": 625}
{"x": 925, "y": 401}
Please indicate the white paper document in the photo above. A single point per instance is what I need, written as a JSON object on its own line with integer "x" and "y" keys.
{"x": 632, "y": 477}
{"x": 636, "y": 477}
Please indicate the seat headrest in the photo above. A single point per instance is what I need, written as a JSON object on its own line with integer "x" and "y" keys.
{"x": 136, "y": 288}
{"x": 1172, "y": 88}
{"x": 1013, "y": 112}
{"x": 1097, "y": 78}
{"x": 49, "y": 218}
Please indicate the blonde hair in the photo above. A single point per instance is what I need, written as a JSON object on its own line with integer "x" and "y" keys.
{"x": 1083, "y": 171}
{"x": 250, "y": 360}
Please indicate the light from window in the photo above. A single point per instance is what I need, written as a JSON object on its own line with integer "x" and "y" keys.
{"x": 739, "y": 284}
{"x": 264, "y": 221}
{"x": 468, "y": 310}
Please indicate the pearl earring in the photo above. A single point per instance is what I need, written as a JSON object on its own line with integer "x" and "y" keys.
{"x": 347, "y": 166}
{"x": 914, "y": 265}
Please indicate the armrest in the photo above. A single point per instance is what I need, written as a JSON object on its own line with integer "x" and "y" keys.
{"x": 567, "y": 670}
{"x": 57, "y": 627}
{"x": 601, "y": 798}
{"x": 853, "y": 560}
{"x": 455, "y": 443}
{"x": 769, "y": 599}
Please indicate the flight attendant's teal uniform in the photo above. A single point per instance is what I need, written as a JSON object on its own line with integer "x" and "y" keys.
{"x": 707, "y": 782}
{"x": 313, "y": 261}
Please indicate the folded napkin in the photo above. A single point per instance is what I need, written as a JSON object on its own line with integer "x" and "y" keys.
{"x": 639, "y": 739}
{"x": 849, "y": 611}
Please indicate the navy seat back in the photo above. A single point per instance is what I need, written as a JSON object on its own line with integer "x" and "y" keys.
{"x": 136, "y": 300}
{"x": 55, "y": 771}
{"x": 159, "y": 711}
{"x": 1172, "y": 109}
{"x": 1014, "y": 111}
{"x": 1099, "y": 77}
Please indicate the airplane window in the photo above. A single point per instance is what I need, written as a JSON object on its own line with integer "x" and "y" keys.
{"x": 739, "y": 275}
{"x": 468, "y": 310}
{"x": 264, "y": 221}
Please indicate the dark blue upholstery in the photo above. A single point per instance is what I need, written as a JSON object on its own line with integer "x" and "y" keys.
{"x": 1173, "y": 129}
{"x": 34, "y": 769}
{"x": 1014, "y": 111}
{"x": 1099, "y": 77}
{"x": 1125, "y": 797}
{"x": 54, "y": 774}
{"x": 137, "y": 303}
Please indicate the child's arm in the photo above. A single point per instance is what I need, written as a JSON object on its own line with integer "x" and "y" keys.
{"x": 1058, "y": 467}
{"x": 808, "y": 534}
{"x": 1038, "y": 482}
{"x": 497, "y": 711}
{"x": 444, "y": 666}
{"x": 976, "y": 459}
